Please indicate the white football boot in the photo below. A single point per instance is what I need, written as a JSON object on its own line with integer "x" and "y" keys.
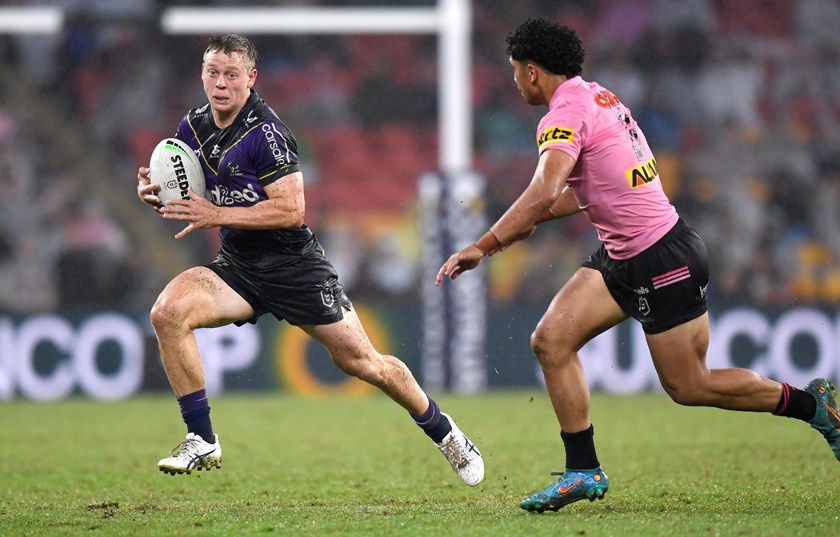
{"x": 192, "y": 454}
{"x": 462, "y": 454}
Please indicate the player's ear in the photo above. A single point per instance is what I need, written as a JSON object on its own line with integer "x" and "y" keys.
{"x": 252, "y": 77}
{"x": 533, "y": 72}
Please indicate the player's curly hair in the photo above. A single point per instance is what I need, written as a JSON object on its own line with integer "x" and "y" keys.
{"x": 554, "y": 47}
{"x": 230, "y": 43}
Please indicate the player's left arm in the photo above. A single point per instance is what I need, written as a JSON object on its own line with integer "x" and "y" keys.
{"x": 284, "y": 209}
{"x": 566, "y": 205}
{"x": 546, "y": 189}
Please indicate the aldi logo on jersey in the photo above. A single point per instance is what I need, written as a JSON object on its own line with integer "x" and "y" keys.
{"x": 555, "y": 134}
{"x": 642, "y": 174}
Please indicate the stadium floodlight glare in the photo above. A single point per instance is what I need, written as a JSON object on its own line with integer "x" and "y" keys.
{"x": 31, "y": 20}
{"x": 450, "y": 21}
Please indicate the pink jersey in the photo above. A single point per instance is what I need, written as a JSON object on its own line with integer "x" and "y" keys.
{"x": 616, "y": 180}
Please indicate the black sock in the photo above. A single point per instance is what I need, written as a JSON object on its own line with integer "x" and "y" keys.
{"x": 580, "y": 449}
{"x": 195, "y": 409}
{"x": 795, "y": 403}
{"x": 433, "y": 424}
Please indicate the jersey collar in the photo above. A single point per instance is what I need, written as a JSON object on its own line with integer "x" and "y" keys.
{"x": 564, "y": 89}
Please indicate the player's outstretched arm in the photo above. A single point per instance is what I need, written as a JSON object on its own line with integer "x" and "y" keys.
{"x": 537, "y": 202}
{"x": 546, "y": 190}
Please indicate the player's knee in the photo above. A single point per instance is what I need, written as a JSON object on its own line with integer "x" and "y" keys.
{"x": 538, "y": 343}
{"x": 549, "y": 347}
{"x": 166, "y": 315}
{"x": 160, "y": 315}
{"x": 357, "y": 366}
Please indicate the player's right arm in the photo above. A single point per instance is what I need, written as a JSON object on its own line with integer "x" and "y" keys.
{"x": 547, "y": 188}
{"x": 566, "y": 205}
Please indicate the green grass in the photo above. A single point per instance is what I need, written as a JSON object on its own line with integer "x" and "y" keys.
{"x": 360, "y": 467}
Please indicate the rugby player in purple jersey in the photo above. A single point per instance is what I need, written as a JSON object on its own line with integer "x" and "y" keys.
{"x": 651, "y": 265}
{"x": 269, "y": 262}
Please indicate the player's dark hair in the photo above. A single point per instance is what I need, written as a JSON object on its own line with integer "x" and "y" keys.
{"x": 230, "y": 43}
{"x": 555, "y": 48}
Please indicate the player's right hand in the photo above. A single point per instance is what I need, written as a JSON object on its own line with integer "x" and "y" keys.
{"x": 458, "y": 263}
{"x": 146, "y": 190}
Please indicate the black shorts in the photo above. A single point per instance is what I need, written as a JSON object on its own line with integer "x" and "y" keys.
{"x": 306, "y": 292}
{"x": 665, "y": 285}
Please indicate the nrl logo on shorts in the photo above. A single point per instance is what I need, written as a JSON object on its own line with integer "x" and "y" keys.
{"x": 644, "y": 306}
{"x": 328, "y": 298}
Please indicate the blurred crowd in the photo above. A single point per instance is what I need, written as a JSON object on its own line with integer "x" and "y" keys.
{"x": 740, "y": 102}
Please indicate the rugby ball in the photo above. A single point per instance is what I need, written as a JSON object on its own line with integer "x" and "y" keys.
{"x": 175, "y": 167}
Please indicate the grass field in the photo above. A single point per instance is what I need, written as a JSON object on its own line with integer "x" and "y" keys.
{"x": 360, "y": 467}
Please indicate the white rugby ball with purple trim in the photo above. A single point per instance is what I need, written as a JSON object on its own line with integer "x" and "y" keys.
{"x": 175, "y": 167}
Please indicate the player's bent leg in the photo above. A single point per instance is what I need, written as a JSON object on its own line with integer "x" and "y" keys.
{"x": 582, "y": 309}
{"x": 194, "y": 453}
{"x": 679, "y": 356}
{"x": 572, "y": 486}
{"x": 351, "y": 350}
{"x": 196, "y": 298}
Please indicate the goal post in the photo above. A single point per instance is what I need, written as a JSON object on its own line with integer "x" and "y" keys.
{"x": 450, "y": 20}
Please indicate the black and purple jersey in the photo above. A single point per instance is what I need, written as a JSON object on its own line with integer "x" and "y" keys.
{"x": 238, "y": 161}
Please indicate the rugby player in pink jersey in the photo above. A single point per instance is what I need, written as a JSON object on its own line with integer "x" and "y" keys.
{"x": 651, "y": 265}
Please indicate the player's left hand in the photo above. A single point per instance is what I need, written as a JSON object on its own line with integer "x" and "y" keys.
{"x": 466, "y": 259}
{"x": 198, "y": 211}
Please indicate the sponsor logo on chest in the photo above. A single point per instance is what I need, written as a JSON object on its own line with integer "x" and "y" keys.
{"x": 642, "y": 174}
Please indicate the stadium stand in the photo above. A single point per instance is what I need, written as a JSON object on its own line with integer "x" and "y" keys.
{"x": 738, "y": 99}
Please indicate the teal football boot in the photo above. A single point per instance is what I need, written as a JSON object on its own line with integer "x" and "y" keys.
{"x": 572, "y": 486}
{"x": 827, "y": 418}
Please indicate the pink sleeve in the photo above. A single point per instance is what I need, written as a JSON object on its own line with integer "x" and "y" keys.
{"x": 561, "y": 128}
